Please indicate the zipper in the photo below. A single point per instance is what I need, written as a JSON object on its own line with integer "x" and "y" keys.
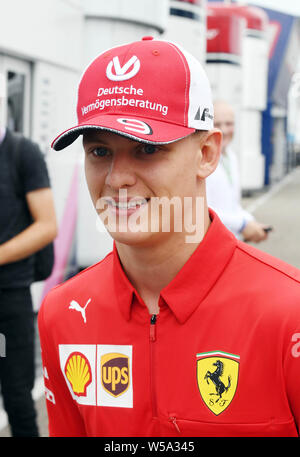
{"x": 152, "y": 363}
{"x": 153, "y": 328}
{"x": 174, "y": 422}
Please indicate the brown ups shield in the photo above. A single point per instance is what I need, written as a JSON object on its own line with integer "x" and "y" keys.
{"x": 115, "y": 373}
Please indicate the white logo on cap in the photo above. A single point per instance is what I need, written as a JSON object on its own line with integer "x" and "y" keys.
{"x": 212, "y": 34}
{"x": 122, "y": 73}
{"x": 136, "y": 126}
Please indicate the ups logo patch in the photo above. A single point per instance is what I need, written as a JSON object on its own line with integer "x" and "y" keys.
{"x": 115, "y": 373}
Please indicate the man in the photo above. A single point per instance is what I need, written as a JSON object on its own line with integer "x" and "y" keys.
{"x": 223, "y": 186}
{"x": 181, "y": 330}
{"x": 27, "y": 224}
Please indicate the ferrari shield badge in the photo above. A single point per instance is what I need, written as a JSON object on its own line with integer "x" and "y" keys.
{"x": 217, "y": 377}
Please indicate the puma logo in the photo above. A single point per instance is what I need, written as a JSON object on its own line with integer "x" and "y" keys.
{"x": 77, "y": 307}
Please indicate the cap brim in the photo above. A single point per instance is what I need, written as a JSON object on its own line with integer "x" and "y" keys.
{"x": 133, "y": 127}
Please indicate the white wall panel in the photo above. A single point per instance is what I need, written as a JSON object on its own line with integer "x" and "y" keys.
{"x": 49, "y": 30}
{"x": 153, "y": 13}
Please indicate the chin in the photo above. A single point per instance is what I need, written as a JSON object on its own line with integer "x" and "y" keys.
{"x": 133, "y": 238}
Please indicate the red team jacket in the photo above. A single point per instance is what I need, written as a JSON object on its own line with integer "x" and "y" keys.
{"x": 222, "y": 358}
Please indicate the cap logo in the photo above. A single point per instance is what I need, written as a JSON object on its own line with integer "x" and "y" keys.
{"x": 212, "y": 34}
{"x": 136, "y": 126}
{"x": 204, "y": 115}
{"x": 122, "y": 73}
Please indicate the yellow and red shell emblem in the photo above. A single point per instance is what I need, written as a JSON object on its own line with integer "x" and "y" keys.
{"x": 78, "y": 372}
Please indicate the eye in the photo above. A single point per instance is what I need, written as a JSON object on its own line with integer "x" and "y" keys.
{"x": 100, "y": 151}
{"x": 149, "y": 149}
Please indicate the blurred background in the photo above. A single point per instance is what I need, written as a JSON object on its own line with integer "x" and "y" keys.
{"x": 250, "y": 51}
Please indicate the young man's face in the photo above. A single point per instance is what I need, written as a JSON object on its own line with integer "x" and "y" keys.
{"x": 127, "y": 179}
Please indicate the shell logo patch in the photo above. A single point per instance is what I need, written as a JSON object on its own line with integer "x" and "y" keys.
{"x": 115, "y": 373}
{"x": 217, "y": 378}
{"x": 78, "y": 365}
{"x": 78, "y": 372}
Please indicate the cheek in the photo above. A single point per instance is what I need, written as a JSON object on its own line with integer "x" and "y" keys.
{"x": 184, "y": 181}
{"x": 94, "y": 181}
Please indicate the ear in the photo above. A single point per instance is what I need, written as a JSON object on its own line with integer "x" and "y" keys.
{"x": 210, "y": 152}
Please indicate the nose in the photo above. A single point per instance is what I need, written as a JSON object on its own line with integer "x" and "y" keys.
{"x": 120, "y": 173}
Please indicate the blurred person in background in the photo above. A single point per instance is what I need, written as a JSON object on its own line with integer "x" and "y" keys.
{"x": 223, "y": 186}
{"x": 27, "y": 224}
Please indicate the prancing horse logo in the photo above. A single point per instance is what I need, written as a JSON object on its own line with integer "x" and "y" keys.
{"x": 77, "y": 307}
{"x": 217, "y": 376}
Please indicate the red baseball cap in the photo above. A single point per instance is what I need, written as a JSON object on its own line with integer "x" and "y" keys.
{"x": 150, "y": 90}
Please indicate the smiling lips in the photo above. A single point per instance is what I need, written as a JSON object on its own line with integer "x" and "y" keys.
{"x": 126, "y": 205}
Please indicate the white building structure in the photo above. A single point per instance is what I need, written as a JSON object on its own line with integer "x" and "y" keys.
{"x": 246, "y": 91}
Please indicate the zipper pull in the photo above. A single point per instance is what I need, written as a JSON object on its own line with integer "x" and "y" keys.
{"x": 152, "y": 327}
{"x": 174, "y": 422}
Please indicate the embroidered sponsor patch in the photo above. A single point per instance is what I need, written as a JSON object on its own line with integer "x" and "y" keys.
{"x": 115, "y": 373}
{"x": 78, "y": 365}
{"x": 78, "y": 372}
{"x": 98, "y": 374}
{"x": 217, "y": 378}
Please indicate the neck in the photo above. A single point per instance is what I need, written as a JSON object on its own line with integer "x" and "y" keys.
{"x": 151, "y": 268}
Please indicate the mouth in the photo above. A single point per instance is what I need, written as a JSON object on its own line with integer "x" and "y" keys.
{"x": 126, "y": 206}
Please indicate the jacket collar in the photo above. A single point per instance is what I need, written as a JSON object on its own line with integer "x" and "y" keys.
{"x": 195, "y": 279}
